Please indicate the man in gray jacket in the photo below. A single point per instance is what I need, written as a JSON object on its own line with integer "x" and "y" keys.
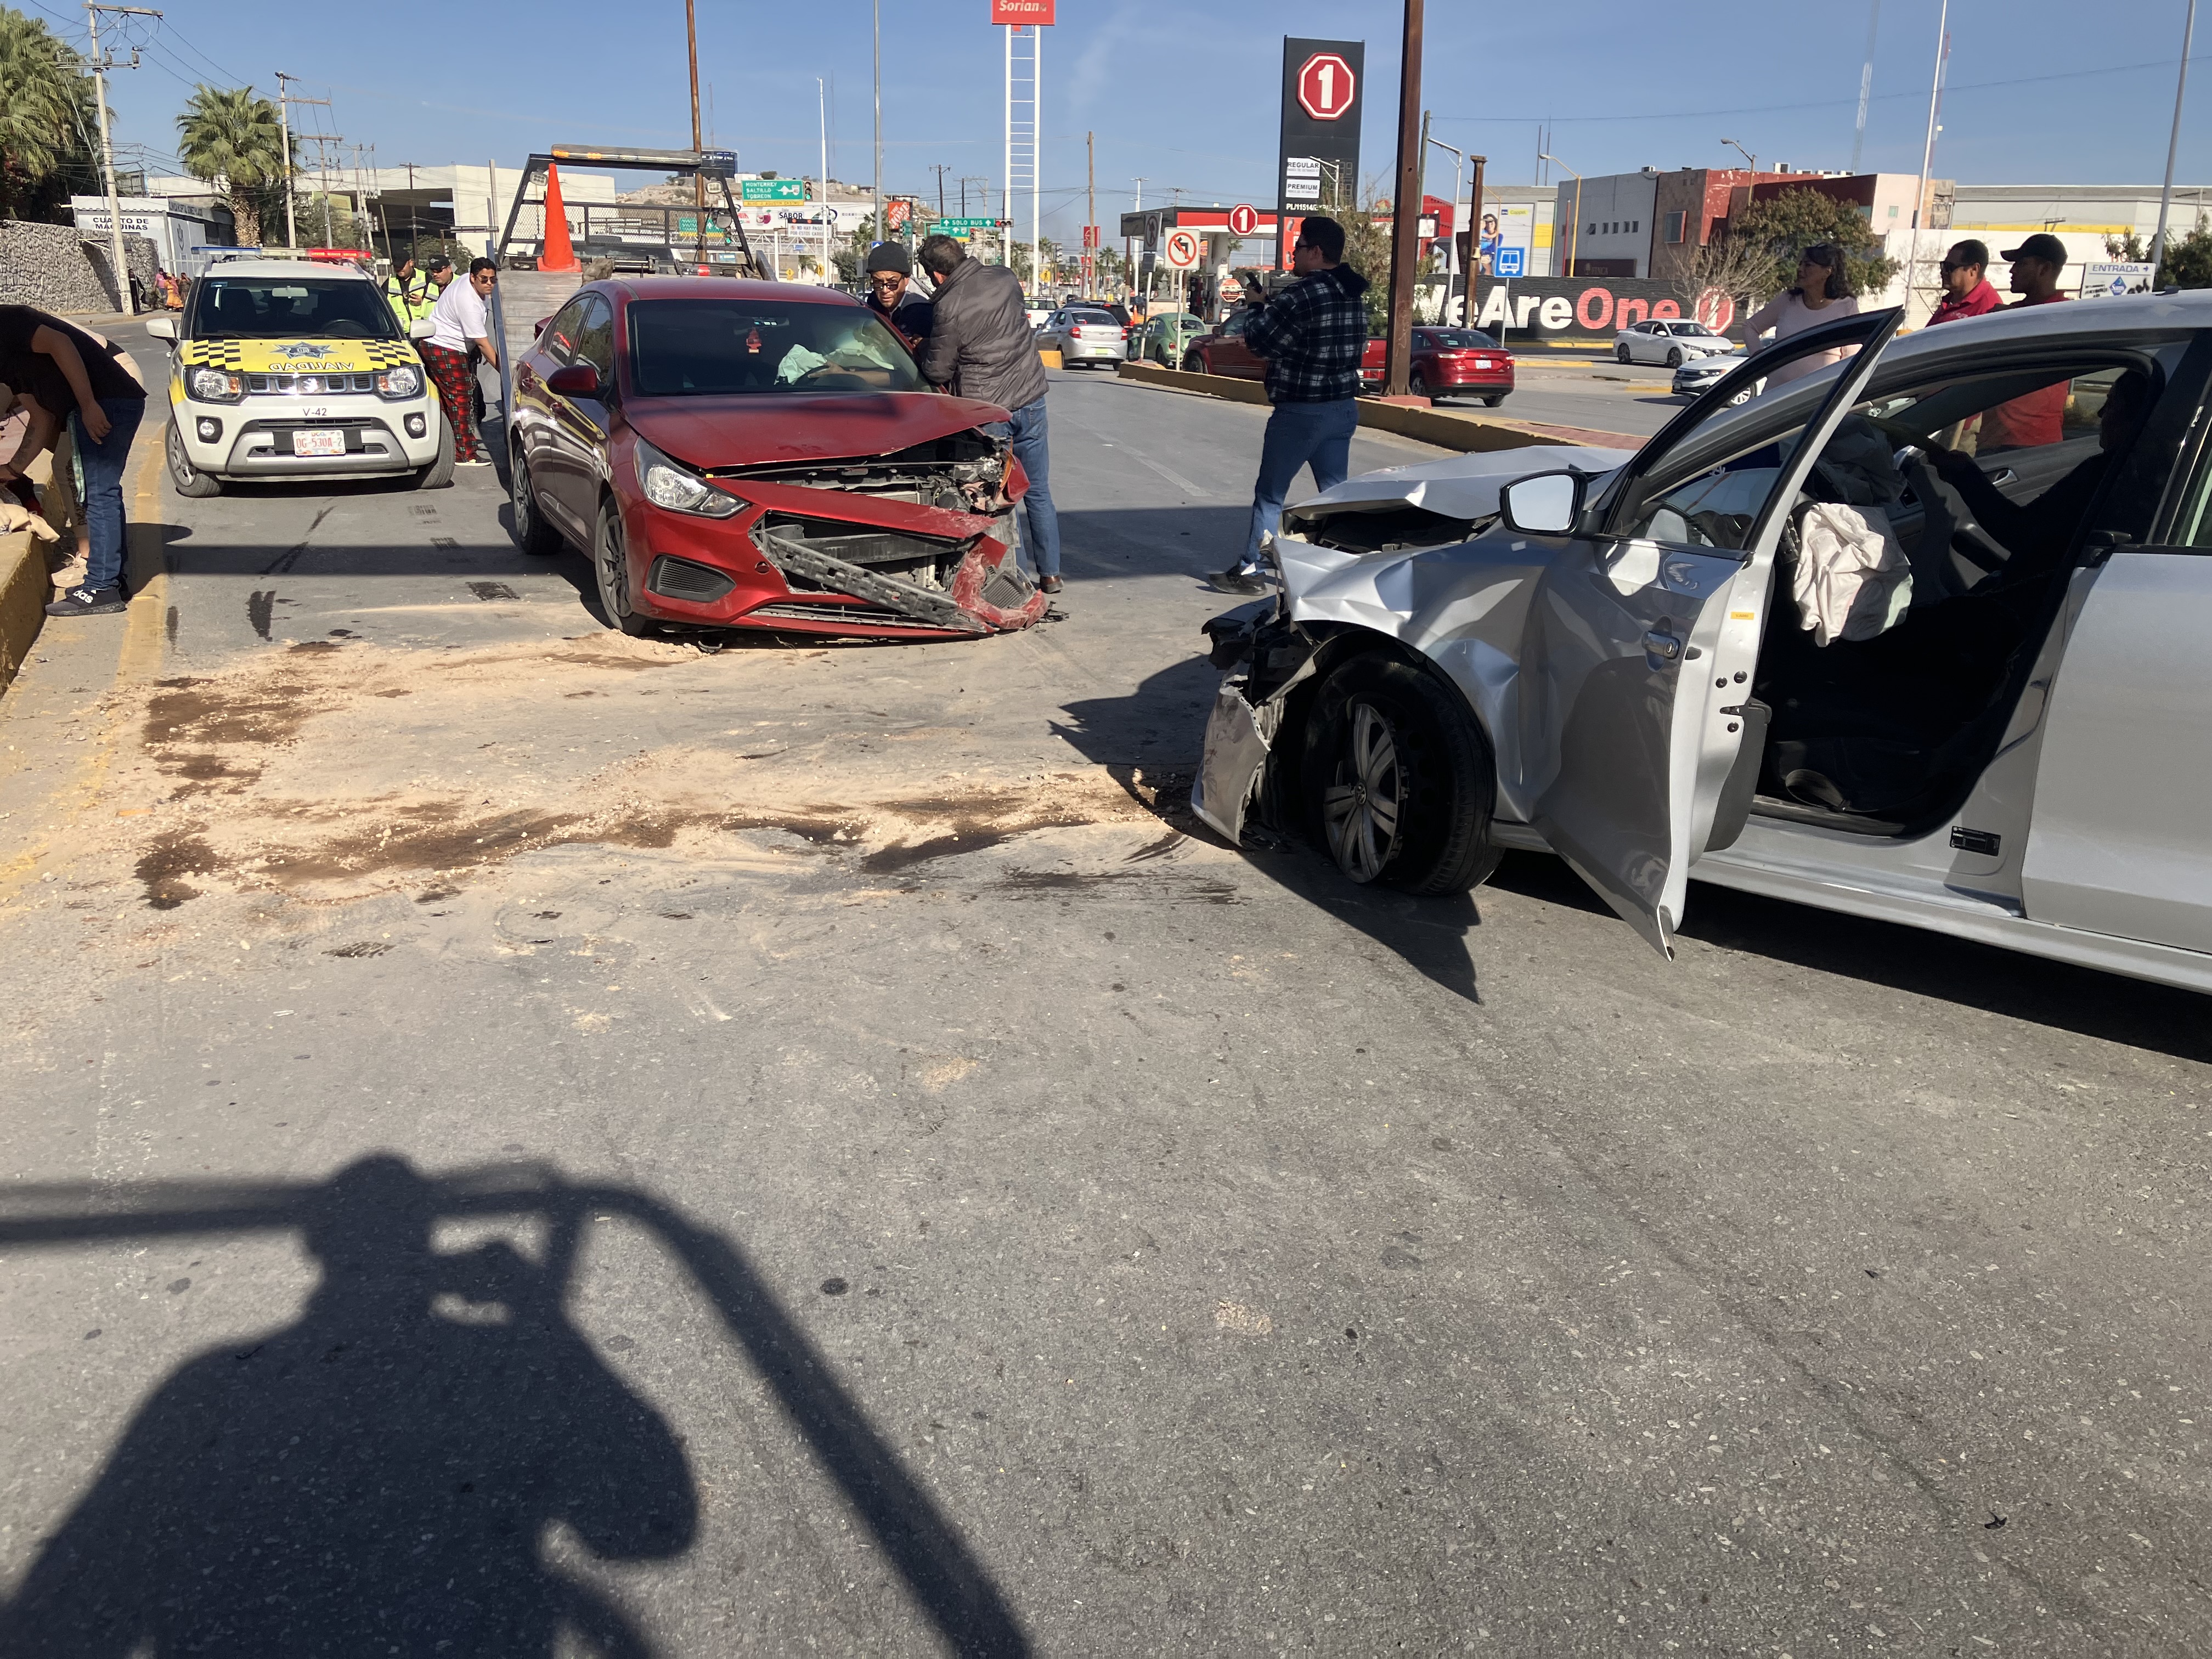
{"x": 980, "y": 347}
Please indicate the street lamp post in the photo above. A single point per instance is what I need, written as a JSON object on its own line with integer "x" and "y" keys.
{"x": 1459, "y": 167}
{"x": 1576, "y": 224}
{"x": 1746, "y": 155}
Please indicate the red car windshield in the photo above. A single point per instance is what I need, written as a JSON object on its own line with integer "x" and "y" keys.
{"x": 722, "y": 348}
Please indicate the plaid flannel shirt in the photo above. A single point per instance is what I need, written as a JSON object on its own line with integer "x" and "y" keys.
{"x": 1313, "y": 335}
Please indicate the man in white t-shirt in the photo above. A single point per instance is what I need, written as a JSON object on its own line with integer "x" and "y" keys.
{"x": 460, "y": 319}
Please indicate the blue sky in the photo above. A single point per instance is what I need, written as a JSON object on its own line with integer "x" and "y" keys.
{"x": 2041, "y": 91}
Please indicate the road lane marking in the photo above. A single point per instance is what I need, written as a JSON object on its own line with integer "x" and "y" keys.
{"x": 1167, "y": 472}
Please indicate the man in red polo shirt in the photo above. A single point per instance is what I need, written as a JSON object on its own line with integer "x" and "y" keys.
{"x": 2040, "y": 418}
{"x": 1966, "y": 289}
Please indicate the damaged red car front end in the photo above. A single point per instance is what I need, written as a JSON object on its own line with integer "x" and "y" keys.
{"x": 761, "y": 456}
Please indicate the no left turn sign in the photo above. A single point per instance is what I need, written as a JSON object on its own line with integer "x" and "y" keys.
{"x": 1243, "y": 219}
{"x": 1181, "y": 250}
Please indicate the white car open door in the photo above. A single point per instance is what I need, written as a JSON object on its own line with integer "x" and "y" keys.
{"x": 1635, "y": 670}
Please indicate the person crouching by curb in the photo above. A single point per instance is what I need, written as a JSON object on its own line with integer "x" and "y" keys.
{"x": 70, "y": 373}
{"x": 980, "y": 347}
{"x": 1312, "y": 336}
{"x": 462, "y": 319}
{"x": 893, "y": 297}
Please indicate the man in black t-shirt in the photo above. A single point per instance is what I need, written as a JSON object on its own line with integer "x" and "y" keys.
{"x": 70, "y": 375}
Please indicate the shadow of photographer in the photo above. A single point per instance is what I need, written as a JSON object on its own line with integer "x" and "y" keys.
{"x": 383, "y": 1474}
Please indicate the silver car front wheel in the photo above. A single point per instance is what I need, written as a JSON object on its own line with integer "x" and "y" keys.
{"x": 1360, "y": 809}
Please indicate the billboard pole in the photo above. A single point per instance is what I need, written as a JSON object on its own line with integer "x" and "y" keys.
{"x": 1405, "y": 208}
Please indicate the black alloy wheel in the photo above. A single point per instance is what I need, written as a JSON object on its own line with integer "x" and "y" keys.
{"x": 1418, "y": 384}
{"x": 1621, "y": 351}
{"x": 1399, "y": 779}
{"x": 533, "y": 532}
{"x": 1674, "y": 358}
{"x": 610, "y": 564}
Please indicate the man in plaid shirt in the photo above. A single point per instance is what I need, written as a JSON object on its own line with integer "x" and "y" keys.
{"x": 1313, "y": 336}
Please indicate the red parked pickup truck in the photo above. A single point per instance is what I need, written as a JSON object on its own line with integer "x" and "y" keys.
{"x": 1448, "y": 363}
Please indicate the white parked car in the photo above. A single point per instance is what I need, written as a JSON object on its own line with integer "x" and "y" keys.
{"x": 1673, "y": 341}
{"x": 1919, "y": 636}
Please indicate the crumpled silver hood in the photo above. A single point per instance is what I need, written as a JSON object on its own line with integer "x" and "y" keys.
{"x": 1457, "y": 486}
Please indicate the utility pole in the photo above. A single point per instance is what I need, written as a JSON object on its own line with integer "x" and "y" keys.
{"x": 285, "y": 100}
{"x": 1405, "y": 209}
{"x": 1091, "y": 239}
{"x": 698, "y": 179}
{"x": 100, "y": 68}
{"x": 939, "y": 168}
{"x": 1474, "y": 239}
{"x": 2165, "y": 193}
{"x": 876, "y": 232}
{"x": 822, "y": 109}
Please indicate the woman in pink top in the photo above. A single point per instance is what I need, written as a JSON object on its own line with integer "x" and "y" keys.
{"x": 1821, "y": 295}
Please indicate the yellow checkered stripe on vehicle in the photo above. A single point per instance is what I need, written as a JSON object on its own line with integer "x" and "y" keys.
{"x": 214, "y": 354}
{"x": 389, "y": 354}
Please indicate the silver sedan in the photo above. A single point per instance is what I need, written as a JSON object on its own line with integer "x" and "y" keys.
{"x": 1917, "y": 636}
{"x": 1083, "y": 334}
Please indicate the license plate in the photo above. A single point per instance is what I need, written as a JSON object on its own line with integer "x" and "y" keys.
{"x": 319, "y": 443}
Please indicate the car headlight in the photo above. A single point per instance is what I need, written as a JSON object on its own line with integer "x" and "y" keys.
{"x": 402, "y": 382}
{"x": 667, "y": 484}
{"x": 218, "y": 385}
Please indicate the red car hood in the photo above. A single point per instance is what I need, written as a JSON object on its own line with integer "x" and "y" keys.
{"x": 762, "y": 431}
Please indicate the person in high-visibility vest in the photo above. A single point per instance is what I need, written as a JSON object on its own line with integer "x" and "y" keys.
{"x": 407, "y": 291}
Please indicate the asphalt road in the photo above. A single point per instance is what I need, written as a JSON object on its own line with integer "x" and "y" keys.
{"x": 897, "y": 1184}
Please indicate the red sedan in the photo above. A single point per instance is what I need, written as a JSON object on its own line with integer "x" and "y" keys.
{"x": 763, "y": 455}
{"x": 1448, "y": 363}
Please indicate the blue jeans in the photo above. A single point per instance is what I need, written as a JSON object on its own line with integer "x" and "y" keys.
{"x": 1040, "y": 524}
{"x": 1299, "y": 435}
{"x": 103, "y": 464}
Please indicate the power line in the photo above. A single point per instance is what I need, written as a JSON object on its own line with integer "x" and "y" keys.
{"x": 1817, "y": 103}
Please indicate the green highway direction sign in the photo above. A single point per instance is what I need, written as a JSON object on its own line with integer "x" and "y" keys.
{"x": 772, "y": 190}
{"x": 963, "y": 228}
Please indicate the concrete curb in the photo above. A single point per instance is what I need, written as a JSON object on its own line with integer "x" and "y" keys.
{"x": 1468, "y": 434}
{"x": 26, "y": 585}
{"x": 24, "y": 591}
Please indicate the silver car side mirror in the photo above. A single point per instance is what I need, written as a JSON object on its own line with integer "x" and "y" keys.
{"x": 1545, "y": 505}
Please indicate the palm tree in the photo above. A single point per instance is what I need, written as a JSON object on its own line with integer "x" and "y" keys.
{"x": 238, "y": 139}
{"x": 45, "y": 108}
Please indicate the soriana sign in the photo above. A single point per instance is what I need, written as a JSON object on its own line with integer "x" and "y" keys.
{"x": 1023, "y": 14}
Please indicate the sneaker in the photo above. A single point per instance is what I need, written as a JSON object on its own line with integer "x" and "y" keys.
{"x": 90, "y": 602}
{"x": 1235, "y": 581}
{"x": 474, "y": 460}
{"x": 1050, "y": 583}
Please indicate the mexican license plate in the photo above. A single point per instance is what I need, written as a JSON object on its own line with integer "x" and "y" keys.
{"x": 319, "y": 443}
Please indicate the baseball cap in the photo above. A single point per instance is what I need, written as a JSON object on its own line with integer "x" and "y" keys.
{"x": 2041, "y": 246}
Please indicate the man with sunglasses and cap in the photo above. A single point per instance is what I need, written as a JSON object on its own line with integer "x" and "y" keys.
{"x": 1967, "y": 291}
{"x": 2038, "y": 417}
{"x": 893, "y": 297}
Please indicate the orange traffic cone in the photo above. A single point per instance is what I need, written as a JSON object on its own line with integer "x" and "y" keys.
{"x": 558, "y": 253}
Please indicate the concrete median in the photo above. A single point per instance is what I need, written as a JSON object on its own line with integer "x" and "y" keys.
{"x": 1469, "y": 433}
